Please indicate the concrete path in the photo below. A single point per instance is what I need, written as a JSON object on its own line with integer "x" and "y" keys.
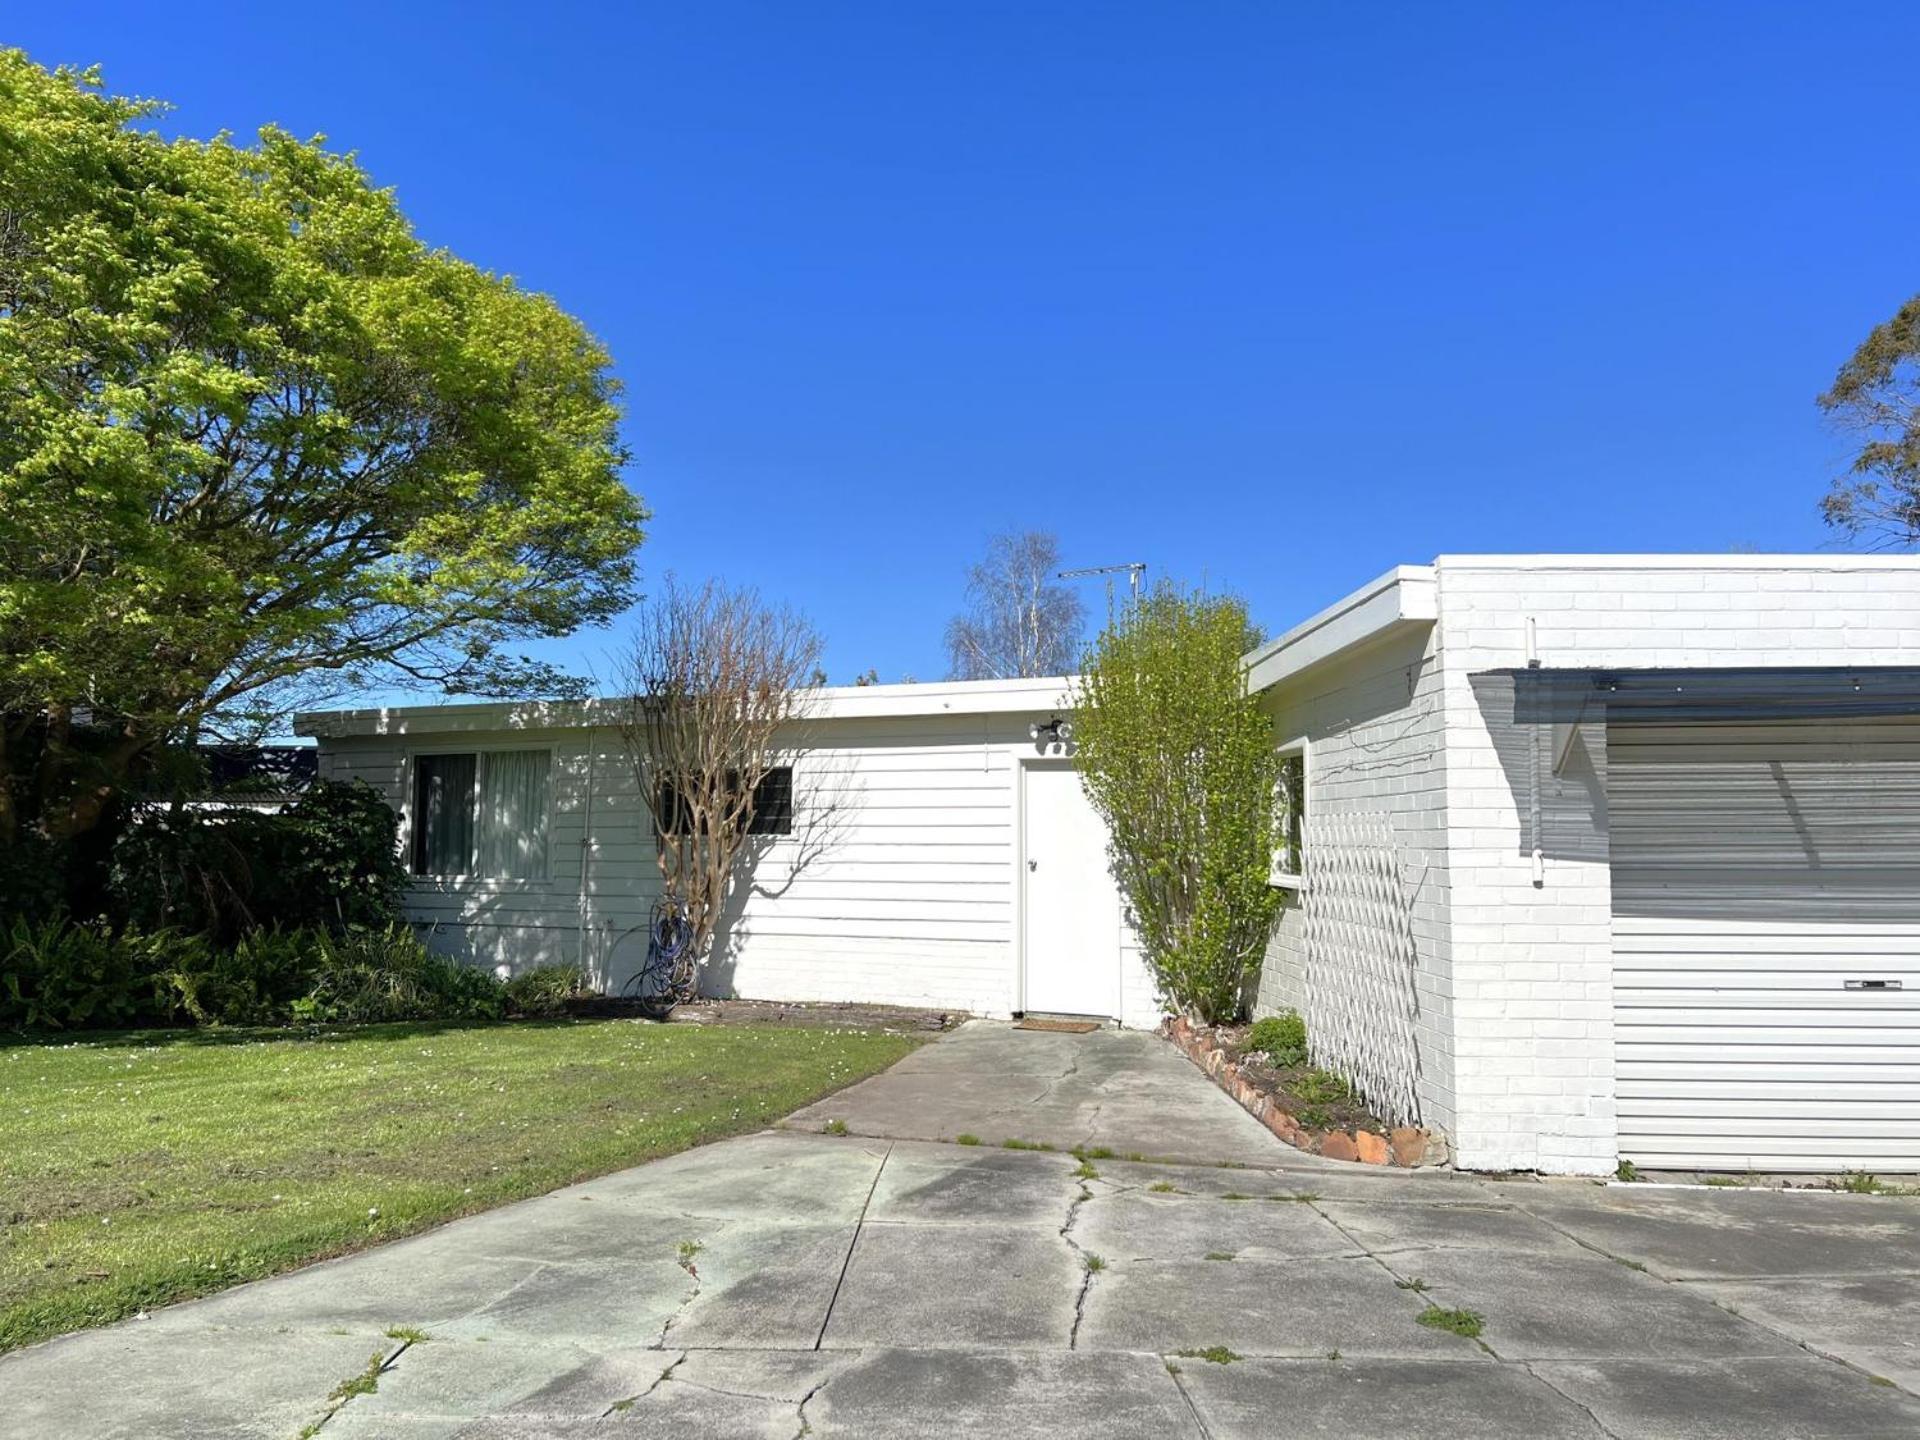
{"x": 800, "y": 1284}
{"x": 1123, "y": 1090}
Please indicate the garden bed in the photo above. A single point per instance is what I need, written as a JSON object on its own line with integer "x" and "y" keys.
{"x": 1301, "y": 1104}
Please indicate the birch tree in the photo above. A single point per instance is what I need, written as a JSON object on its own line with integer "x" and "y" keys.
{"x": 1019, "y": 620}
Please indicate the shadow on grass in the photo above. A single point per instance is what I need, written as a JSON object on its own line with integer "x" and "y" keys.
{"x": 251, "y": 1034}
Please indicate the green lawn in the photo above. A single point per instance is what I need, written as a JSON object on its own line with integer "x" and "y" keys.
{"x": 141, "y": 1168}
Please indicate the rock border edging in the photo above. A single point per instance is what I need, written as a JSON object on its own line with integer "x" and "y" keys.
{"x": 1405, "y": 1146}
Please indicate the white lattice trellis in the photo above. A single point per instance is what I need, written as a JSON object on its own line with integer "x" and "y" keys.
{"x": 1360, "y": 962}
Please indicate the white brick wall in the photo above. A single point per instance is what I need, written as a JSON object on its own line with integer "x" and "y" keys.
{"x": 1532, "y": 965}
{"x": 1373, "y": 721}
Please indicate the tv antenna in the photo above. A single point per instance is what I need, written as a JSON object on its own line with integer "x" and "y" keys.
{"x": 1134, "y": 571}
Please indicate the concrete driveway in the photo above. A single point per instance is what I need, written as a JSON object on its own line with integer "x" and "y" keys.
{"x": 800, "y": 1284}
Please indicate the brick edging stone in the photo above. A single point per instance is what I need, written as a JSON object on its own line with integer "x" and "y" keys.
{"x": 1405, "y": 1145}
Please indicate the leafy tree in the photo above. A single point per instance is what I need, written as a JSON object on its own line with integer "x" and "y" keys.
{"x": 258, "y": 443}
{"x": 1877, "y": 395}
{"x": 1180, "y": 762}
{"x": 1019, "y": 622}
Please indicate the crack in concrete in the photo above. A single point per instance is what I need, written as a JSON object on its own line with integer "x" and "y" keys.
{"x": 680, "y": 1310}
{"x": 1794, "y": 1340}
{"x": 1199, "y": 1422}
{"x": 846, "y": 1261}
{"x": 1086, "y": 1270}
{"x": 800, "y": 1410}
{"x": 1580, "y": 1405}
{"x": 334, "y": 1407}
{"x": 658, "y": 1381}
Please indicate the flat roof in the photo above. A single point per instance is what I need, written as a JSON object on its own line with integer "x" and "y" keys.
{"x": 833, "y": 702}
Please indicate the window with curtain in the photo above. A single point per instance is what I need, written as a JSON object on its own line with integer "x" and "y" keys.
{"x": 482, "y": 814}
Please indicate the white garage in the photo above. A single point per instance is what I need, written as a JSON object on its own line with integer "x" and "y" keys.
{"x": 1766, "y": 943}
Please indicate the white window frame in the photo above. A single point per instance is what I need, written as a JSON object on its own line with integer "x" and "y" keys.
{"x": 480, "y": 753}
{"x": 1278, "y": 875}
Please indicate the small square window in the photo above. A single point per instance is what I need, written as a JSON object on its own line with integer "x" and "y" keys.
{"x": 1289, "y": 864}
{"x": 771, "y": 813}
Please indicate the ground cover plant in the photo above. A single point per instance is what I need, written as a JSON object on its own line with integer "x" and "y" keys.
{"x": 146, "y": 1167}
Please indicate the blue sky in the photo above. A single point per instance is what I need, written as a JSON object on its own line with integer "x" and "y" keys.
{"x": 1269, "y": 295}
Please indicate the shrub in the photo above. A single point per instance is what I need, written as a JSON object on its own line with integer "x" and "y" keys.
{"x": 58, "y": 975}
{"x": 1283, "y": 1037}
{"x": 544, "y": 990}
{"x": 1179, "y": 760}
{"x": 328, "y": 860}
{"x": 254, "y": 983}
{"x": 373, "y": 975}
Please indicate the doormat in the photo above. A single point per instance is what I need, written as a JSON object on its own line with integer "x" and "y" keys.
{"x": 1068, "y": 1027}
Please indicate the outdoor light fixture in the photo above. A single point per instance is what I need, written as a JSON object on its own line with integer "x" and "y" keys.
{"x": 1055, "y": 732}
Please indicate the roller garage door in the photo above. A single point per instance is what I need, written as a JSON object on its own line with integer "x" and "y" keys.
{"x": 1766, "y": 943}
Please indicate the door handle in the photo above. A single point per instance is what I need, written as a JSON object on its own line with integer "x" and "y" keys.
{"x": 1873, "y": 984}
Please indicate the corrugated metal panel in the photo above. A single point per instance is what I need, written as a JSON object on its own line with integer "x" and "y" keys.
{"x": 1757, "y": 868}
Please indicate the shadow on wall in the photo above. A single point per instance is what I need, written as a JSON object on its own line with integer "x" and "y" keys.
{"x": 770, "y": 866}
{"x": 1552, "y": 751}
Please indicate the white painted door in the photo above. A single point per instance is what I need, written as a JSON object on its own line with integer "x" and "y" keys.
{"x": 1766, "y": 944}
{"x": 1071, "y": 911}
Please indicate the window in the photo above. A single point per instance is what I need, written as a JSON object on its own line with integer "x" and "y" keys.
{"x": 772, "y": 812}
{"x": 1289, "y": 865}
{"x": 481, "y": 813}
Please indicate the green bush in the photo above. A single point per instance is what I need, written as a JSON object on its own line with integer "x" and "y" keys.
{"x": 1180, "y": 763}
{"x": 363, "y": 976}
{"x": 256, "y": 982}
{"x": 544, "y": 990}
{"x": 1282, "y": 1036}
{"x": 58, "y": 975}
{"x": 329, "y": 860}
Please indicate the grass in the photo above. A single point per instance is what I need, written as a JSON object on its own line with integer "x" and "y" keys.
{"x": 966, "y": 1139}
{"x": 1467, "y": 1323}
{"x": 1094, "y": 1263}
{"x": 143, "y": 1168}
{"x": 1219, "y": 1255}
{"x": 1213, "y": 1355}
{"x": 1163, "y": 1187}
{"x": 1014, "y": 1143}
{"x": 834, "y": 1127}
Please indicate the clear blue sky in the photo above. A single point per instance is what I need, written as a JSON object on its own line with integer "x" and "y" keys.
{"x": 1276, "y": 295}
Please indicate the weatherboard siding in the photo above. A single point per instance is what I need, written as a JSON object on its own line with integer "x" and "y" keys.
{"x": 896, "y": 887}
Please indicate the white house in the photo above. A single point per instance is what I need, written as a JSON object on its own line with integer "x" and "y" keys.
{"x": 1594, "y": 857}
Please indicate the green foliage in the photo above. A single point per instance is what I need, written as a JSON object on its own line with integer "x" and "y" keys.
{"x": 329, "y": 860}
{"x": 368, "y": 976}
{"x": 1627, "y": 1172}
{"x": 1212, "y": 1354}
{"x": 1465, "y": 1323}
{"x": 544, "y": 991}
{"x": 256, "y": 437}
{"x": 1180, "y": 763}
{"x": 255, "y": 982}
{"x": 58, "y": 975}
{"x": 1876, "y": 396}
{"x": 1283, "y": 1037}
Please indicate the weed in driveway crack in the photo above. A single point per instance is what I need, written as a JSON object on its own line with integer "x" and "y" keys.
{"x": 1090, "y": 1264}
{"x": 1465, "y": 1323}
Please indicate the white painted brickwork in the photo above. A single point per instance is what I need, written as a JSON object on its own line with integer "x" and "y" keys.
{"x": 1532, "y": 966}
{"x": 1373, "y": 723}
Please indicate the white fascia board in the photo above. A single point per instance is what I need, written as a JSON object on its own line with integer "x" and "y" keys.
{"x": 1835, "y": 563}
{"x": 1405, "y": 595}
{"x": 838, "y": 702}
